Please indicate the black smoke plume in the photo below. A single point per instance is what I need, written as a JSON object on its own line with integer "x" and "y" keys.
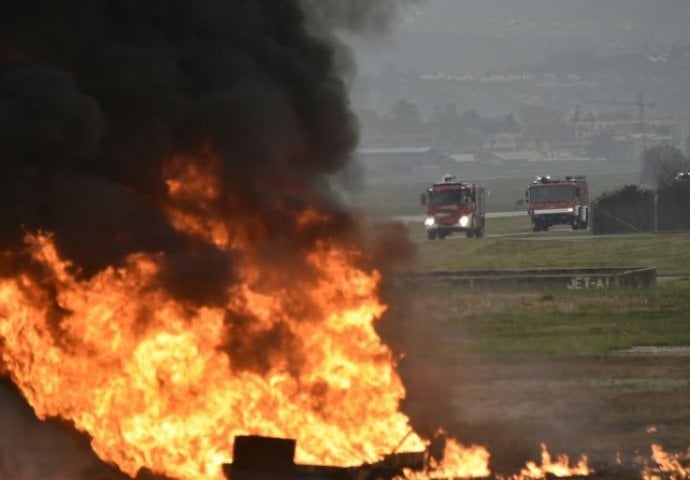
{"x": 101, "y": 99}
{"x": 96, "y": 96}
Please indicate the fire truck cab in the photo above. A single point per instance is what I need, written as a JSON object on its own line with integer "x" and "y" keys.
{"x": 558, "y": 202}
{"x": 454, "y": 206}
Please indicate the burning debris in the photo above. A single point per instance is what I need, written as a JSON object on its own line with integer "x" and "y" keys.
{"x": 666, "y": 465}
{"x": 559, "y": 468}
{"x": 272, "y": 458}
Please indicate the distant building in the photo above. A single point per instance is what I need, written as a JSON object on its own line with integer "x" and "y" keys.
{"x": 401, "y": 160}
{"x": 520, "y": 157}
{"x": 673, "y": 130}
{"x": 463, "y": 157}
{"x": 512, "y": 142}
{"x": 501, "y": 142}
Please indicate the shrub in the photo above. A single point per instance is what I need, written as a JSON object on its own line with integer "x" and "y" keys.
{"x": 674, "y": 205}
{"x": 628, "y": 209}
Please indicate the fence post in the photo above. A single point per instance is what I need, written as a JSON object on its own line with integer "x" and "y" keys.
{"x": 656, "y": 211}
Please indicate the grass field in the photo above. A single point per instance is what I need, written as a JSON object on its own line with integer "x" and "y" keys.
{"x": 511, "y": 244}
{"x": 594, "y": 372}
{"x": 572, "y": 324}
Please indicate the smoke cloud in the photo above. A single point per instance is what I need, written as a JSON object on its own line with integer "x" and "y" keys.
{"x": 359, "y": 15}
{"x": 96, "y": 97}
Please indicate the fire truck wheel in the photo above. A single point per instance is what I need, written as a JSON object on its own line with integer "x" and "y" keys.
{"x": 469, "y": 233}
{"x": 579, "y": 225}
{"x": 431, "y": 235}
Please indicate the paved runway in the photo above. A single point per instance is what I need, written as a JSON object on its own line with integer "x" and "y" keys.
{"x": 420, "y": 218}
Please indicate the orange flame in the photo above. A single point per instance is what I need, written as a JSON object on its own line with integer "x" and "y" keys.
{"x": 667, "y": 465}
{"x": 462, "y": 462}
{"x": 559, "y": 468}
{"x": 149, "y": 379}
{"x": 193, "y": 188}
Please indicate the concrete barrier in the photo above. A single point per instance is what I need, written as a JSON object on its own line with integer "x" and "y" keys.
{"x": 542, "y": 279}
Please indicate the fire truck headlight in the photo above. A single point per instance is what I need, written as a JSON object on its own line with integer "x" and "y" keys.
{"x": 464, "y": 221}
{"x": 571, "y": 210}
{"x": 429, "y": 222}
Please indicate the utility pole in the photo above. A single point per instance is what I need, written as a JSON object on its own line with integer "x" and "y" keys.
{"x": 641, "y": 105}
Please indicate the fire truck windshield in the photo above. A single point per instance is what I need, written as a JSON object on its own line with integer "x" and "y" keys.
{"x": 449, "y": 197}
{"x": 559, "y": 193}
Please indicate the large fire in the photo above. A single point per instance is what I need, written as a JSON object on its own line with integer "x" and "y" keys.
{"x": 149, "y": 377}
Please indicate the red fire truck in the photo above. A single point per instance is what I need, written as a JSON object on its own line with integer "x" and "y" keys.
{"x": 558, "y": 202}
{"x": 454, "y": 206}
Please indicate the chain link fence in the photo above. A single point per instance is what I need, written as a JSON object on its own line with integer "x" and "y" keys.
{"x": 633, "y": 209}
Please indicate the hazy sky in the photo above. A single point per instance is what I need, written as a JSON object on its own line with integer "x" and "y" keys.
{"x": 470, "y": 36}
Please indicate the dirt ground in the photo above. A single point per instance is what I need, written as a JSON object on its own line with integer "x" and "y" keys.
{"x": 598, "y": 406}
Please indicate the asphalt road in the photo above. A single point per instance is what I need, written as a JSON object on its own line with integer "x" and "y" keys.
{"x": 420, "y": 218}
{"x": 526, "y": 236}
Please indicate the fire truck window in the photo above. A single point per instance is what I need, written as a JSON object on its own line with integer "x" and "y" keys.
{"x": 449, "y": 197}
{"x": 552, "y": 194}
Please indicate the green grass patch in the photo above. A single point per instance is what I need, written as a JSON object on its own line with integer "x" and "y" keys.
{"x": 577, "y": 334}
{"x": 520, "y": 248}
{"x": 575, "y": 324}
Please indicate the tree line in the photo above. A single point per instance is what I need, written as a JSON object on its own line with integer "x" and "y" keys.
{"x": 661, "y": 202}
